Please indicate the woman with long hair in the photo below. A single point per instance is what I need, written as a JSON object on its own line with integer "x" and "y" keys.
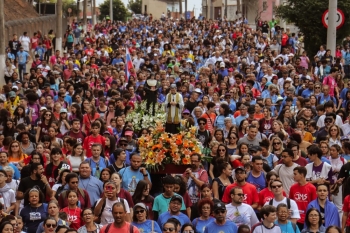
{"x": 110, "y": 144}
{"x": 120, "y": 158}
{"x": 61, "y": 182}
{"x": 307, "y": 136}
{"x": 9, "y": 128}
{"x": 222, "y": 152}
{"x": 334, "y": 135}
{"x": 76, "y": 157}
{"x": 106, "y": 175}
{"x": 141, "y": 195}
{"x": 15, "y": 154}
{"x": 89, "y": 117}
{"x": 46, "y": 119}
{"x": 276, "y": 146}
{"x": 219, "y": 135}
{"x": 242, "y": 129}
{"x": 20, "y": 116}
{"x": 223, "y": 180}
{"x": 232, "y": 140}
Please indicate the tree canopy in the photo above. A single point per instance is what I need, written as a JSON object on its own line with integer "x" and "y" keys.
{"x": 135, "y": 6}
{"x": 307, "y": 16}
{"x": 119, "y": 10}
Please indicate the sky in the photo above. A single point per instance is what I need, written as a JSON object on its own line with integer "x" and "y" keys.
{"x": 196, "y": 4}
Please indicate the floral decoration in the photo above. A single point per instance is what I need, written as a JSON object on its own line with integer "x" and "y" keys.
{"x": 160, "y": 147}
{"x": 143, "y": 117}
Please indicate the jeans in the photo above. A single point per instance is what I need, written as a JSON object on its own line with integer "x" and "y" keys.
{"x": 21, "y": 70}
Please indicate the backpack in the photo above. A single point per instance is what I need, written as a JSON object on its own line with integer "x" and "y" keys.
{"x": 131, "y": 228}
{"x": 288, "y": 202}
{"x": 59, "y": 191}
{"x": 121, "y": 200}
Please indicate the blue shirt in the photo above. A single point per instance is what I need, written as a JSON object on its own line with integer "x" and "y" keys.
{"x": 93, "y": 186}
{"x": 228, "y": 227}
{"x": 163, "y": 218}
{"x": 68, "y": 99}
{"x": 239, "y": 119}
{"x": 22, "y": 57}
{"x": 131, "y": 178}
{"x": 220, "y": 121}
{"x": 287, "y": 228}
{"x": 127, "y": 160}
{"x": 258, "y": 182}
{"x": 307, "y": 93}
{"x": 16, "y": 174}
{"x": 146, "y": 227}
{"x": 102, "y": 163}
{"x": 200, "y": 225}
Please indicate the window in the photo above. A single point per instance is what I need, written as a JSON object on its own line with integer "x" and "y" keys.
{"x": 264, "y": 6}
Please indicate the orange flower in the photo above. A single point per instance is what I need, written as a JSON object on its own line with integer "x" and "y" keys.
{"x": 186, "y": 152}
{"x": 179, "y": 139}
{"x": 160, "y": 158}
{"x": 186, "y": 161}
{"x": 177, "y": 158}
{"x": 157, "y": 146}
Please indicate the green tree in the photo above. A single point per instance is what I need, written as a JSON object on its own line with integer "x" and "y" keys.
{"x": 135, "y": 6}
{"x": 69, "y": 4}
{"x": 119, "y": 10}
{"x": 307, "y": 16}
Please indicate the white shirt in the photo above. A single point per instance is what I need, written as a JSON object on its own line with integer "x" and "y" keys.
{"x": 7, "y": 197}
{"x": 44, "y": 69}
{"x": 137, "y": 63}
{"x": 338, "y": 121}
{"x": 242, "y": 214}
{"x": 106, "y": 216}
{"x": 286, "y": 175}
{"x": 262, "y": 229}
{"x": 293, "y": 206}
{"x": 25, "y": 42}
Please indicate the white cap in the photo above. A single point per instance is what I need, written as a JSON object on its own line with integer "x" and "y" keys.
{"x": 222, "y": 64}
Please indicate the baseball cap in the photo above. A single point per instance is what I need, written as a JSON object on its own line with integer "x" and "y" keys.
{"x": 141, "y": 205}
{"x": 344, "y": 138}
{"x": 186, "y": 111}
{"x": 43, "y": 108}
{"x": 129, "y": 133}
{"x": 219, "y": 206}
{"x": 123, "y": 139}
{"x": 239, "y": 168}
{"x": 176, "y": 198}
{"x": 197, "y": 90}
{"x": 15, "y": 87}
{"x": 63, "y": 110}
{"x": 12, "y": 94}
{"x": 222, "y": 64}
{"x": 255, "y": 148}
{"x": 173, "y": 86}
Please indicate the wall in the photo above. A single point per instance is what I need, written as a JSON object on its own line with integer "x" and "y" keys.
{"x": 30, "y": 25}
{"x": 154, "y": 7}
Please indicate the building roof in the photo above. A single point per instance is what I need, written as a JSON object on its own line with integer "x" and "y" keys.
{"x": 18, "y": 9}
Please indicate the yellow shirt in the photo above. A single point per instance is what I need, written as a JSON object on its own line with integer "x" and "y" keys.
{"x": 11, "y": 106}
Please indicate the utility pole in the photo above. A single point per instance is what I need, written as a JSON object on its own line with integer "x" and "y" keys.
{"x": 111, "y": 10}
{"x": 93, "y": 5}
{"x": 2, "y": 44}
{"x": 185, "y": 9}
{"x": 225, "y": 9}
{"x": 239, "y": 11}
{"x": 59, "y": 26}
{"x": 84, "y": 15}
{"x": 180, "y": 8}
{"x": 332, "y": 28}
{"x": 78, "y": 10}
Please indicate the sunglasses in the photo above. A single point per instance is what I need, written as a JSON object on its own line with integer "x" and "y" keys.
{"x": 51, "y": 225}
{"x": 221, "y": 150}
{"x": 240, "y": 194}
{"x": 328, "y": 121}
{"x": 168, "y": 229}
{"x": 232, "y": 137}
{"x": 201, "y": 123}
{"x": 47, "y": 114}
{"x": 139, "y": 211}
{"x": 276, "y": 143}
{"x": 276, "y": 186}
{"x": 317, "y": 87}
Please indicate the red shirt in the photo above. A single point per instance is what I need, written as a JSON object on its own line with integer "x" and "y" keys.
{"x": 266, "y": 195}
{"x": 123, "y": 229}
{"x": 346, "y": 208}
{"x": 250, "y": 193}
{"x": 73, "y": 216}
{"x": 302, "y": 195}
{"x": 88, "y": 120}
{"x": 90, "y": 140}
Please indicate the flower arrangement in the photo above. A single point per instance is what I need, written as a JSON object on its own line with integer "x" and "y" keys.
{"x": 161, "y": 148}
{"x": 141, "y": 117}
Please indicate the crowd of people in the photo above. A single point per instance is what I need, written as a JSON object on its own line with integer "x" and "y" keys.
{"x": 274, "y": 121}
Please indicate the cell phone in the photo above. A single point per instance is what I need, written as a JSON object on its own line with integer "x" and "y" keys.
{"x": 109, "y": 188}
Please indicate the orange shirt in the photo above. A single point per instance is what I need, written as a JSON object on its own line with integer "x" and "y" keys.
{"x": 250, "y": 193}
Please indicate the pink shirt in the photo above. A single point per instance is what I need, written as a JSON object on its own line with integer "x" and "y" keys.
{"x": 330, "y": 81}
